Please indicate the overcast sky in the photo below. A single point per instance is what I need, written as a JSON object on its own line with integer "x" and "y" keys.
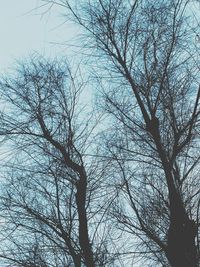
{"x": 23, "y": 31}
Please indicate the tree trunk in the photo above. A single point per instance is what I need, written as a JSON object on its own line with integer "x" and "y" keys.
{"x": 82, "y": 216}
{"x": 181, "y": 248}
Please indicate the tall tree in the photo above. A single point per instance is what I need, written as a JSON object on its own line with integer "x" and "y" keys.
{"x": 148, "y": 52}
{"x": 48, "y": 218}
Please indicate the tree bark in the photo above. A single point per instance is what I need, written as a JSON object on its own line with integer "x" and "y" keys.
{"x": 82, "y": 216}
{"x": 181, "y": 248}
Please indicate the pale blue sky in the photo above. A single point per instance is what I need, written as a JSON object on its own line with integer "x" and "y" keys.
{"x": 23, "y": 31}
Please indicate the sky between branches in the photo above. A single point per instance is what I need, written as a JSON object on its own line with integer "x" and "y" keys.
{"x": 24, "y": 30}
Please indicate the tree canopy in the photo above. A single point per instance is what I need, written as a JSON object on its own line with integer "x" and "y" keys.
{"x": 116, "y": 184}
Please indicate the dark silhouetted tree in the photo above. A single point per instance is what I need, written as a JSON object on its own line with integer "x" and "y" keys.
{"x": 147, "y": 51}
{"x": 48, "y": 218}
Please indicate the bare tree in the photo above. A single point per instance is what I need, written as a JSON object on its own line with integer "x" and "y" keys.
{"x": 48, "y": 218}
{"x": 148, "y": 53}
